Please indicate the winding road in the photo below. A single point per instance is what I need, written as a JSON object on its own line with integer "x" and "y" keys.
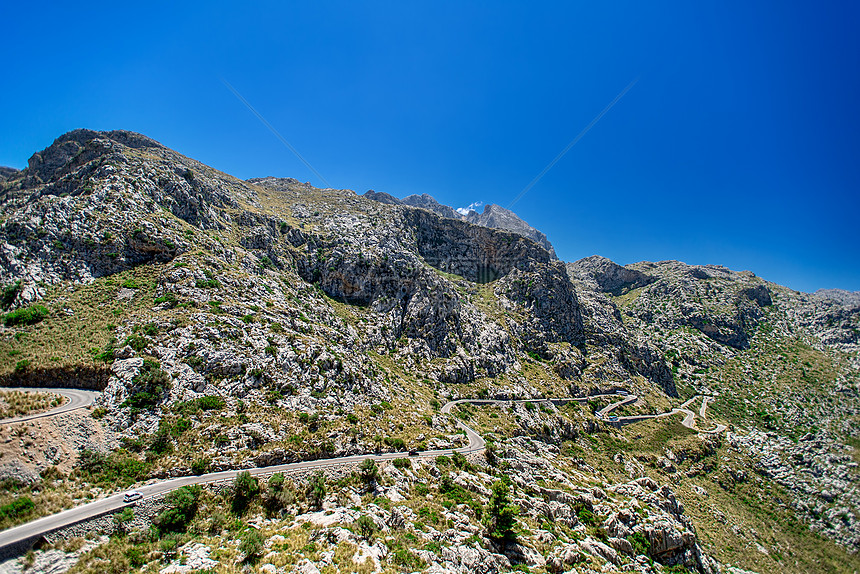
{"x": 76, "y": 399}
{"x": 31, "y": 531}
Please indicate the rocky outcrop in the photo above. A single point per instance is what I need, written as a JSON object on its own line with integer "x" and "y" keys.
{"x": 601, "y": 274}
{"x": 724, "y": 305}
{"x": 493, "y": 216}
{"x": 498, "y": 217}
{"x": 425, "y": 201}
{"x": 8, "y": 173}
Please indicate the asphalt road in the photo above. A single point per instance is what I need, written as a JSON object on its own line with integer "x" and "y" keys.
{"x": 76, "y": 399}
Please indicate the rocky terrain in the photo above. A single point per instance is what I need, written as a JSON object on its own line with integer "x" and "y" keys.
{"x": 493, "y": 216}
{"x": 234, "y": 324}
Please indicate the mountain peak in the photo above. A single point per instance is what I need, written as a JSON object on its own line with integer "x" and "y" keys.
{"x": 493, "y": 216}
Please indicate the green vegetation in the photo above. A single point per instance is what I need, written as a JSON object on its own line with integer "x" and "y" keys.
{"x": 501, "y": 513}
{"x": 251, "y": 544}
{"x": 17, "y": 508}
{"x": 150, "y": 384}
{"x": 25, "y": 316}
{"x": 182, "y": 507}
{"x": 117, "y": 469}
{"x": 316, "y": 490}
{"x": 8, "y": 294}
{"x": 245, "y": 489}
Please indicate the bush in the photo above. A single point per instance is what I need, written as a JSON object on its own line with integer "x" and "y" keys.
{"x": 251, "y": 544}
{"x": 107, "y": 354}
{"x": 587, "y": 517}
{"x": 180, "y": 427}
{"x": 161, "y": 442}
{"x": 122, "y": 518}
{"x": 9, "y": 293}
{"x": 501, "y": 513}
{"x": 369, "y": 471}
{"x": 245, "y": 489}
{"x": 316, "y": 490}
{"x": 401, "y": 463}
{"x": 182, "y": 508}
{"x": 459, "y": 461}
{"x": 395, "y": 443}
{"x": 137, "y": 342}
{"x": 641, "y": 546}
{"x": 118, "y": 469}
{"x": 352, "y": 418}
{"x": 18, "y": 507}
{"x": 168, "y": 298}
{"x": 25, "y": 316}
{"x": 151, "y": 383}
{"x": 365, "y": 526}
{"x": 200, "y": 466}
{"x": 278, "y": 494}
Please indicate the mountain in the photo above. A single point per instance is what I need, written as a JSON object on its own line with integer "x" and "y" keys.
{"x": 493, "y": 216}
{"x": 231, "y": 324}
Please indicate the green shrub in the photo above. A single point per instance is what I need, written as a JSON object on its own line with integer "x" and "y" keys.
{"x": 641, "y": 545}
{"x": 137, "y": 342}
{"x": 404, "y": 557}
{"x": 161, "y": 442}
{"x": 251, "y": 544}
{"x": 365, "y": 526}
{"x": 245, "y": 489}
{"x": 180, "y": 427}
{"x": 25, "y": 316}
{"x": 587, "y": 517}
{"x": 501, "y": 513}
{"x": 169, "y": 298}
{"x": 122, "y": 518}
{"x": 316, "y": 490}
{"x": 8, "y": 294}
{"x": 18, "y": 507}
{"x": 352, "y": 418}
{"x": 22, "y": 366}
{"x": 395, "y": 442}
{"x": 459, "y": 461}
{"x": 182, "y": 508}
{"x": 369, "y": 470}
{"x": 150, "y": 383}
{"x": 401, "y": 463}
{"x": 200, "y": 466}
{"x": 119, "y": 469}
{"x": 106, "y": 355}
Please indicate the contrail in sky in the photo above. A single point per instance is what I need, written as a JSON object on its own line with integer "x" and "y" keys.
{"x": 275, "y": 132}
{"x": 572, "y": 143}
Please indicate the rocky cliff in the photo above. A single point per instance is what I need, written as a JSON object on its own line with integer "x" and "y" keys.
{"x": 493, "y": 216}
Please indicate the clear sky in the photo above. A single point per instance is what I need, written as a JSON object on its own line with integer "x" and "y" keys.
{"x": 739, "y": 144}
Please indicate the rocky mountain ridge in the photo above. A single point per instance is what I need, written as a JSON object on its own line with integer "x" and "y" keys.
{"x": 493, "y": 216}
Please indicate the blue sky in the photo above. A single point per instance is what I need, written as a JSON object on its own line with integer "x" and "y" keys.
{"x": 739, "y": 144}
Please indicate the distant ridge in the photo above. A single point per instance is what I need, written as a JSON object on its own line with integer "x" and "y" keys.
{"x": 493, "y": 216}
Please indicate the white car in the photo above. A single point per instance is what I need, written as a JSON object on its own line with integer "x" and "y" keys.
{"x": 131, "y": 496}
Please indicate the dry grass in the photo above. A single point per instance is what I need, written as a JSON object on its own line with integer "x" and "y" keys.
{"x": 20, "y": 403}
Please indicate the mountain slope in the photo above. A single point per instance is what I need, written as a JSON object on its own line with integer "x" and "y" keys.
{"x": 247, "y": 323}
{"x": 493, "y": 216}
